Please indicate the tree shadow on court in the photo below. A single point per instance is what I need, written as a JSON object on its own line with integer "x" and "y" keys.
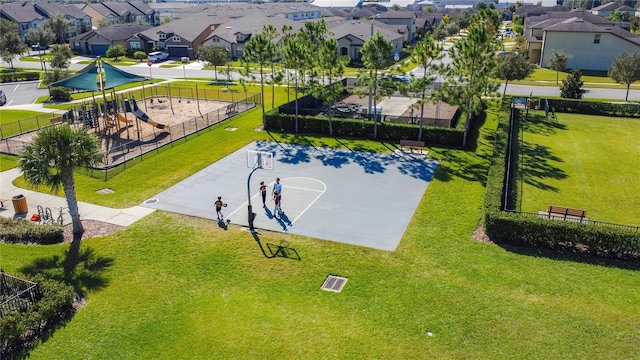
{"x": 537, "y": 166}
{"x": 290, "y": 154}
{"x": 81, "y": 268}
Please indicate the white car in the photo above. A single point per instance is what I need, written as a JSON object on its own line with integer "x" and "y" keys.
{"x": 157, "y": 56}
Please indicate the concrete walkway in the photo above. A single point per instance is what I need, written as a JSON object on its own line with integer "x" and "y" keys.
{"x": 123, "y": 217}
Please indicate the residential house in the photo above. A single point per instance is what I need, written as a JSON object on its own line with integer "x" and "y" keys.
{"x": 179, "y": 38}
{"x": 535, "y": 26}
{"x": 352, "y": 34}
{"x": 23, "y": 14}
{"x": 605, "y": 10}
{"x": 122, "y": 12}
{"x": 589, "y": 46}
{"x": 96, "y": 42}
{"x": 234, "y": 34}
{"x": 79, "y": 21}
{"x": 400, "y": 17}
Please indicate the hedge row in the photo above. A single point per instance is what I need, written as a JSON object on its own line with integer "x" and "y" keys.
{"x": 532, "y": 231}
{"x": 594, "y": 108}
{"x": 363, "y": 129}
{"x": 25, "y": 232}
{"x": 19, "y": 76}
{"x": 22, "y": 328}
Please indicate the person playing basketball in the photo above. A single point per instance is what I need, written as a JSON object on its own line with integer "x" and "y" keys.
{"x": 219, "y": 205}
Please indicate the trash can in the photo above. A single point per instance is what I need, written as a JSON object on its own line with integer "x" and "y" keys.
{"x": 20, "y": 204}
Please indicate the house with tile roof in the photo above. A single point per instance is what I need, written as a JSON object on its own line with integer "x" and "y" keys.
{"x": 536, "y": 21}
{"x": 605, "y": 10}
{"x": 179, "y": 38}
{"x": 79, "y": 21}
{"x": 352, "y": 34}
{"x": 122, "y": 12}
{"x": 590, "y": 47}
{"x": 23, "y": 14}
{"x": 96, "y": 42}
{"x": 234, "y": 34}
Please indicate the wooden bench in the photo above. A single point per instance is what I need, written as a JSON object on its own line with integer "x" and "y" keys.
{"x": 564, "y": 213}
{"x": 412, "y": 144}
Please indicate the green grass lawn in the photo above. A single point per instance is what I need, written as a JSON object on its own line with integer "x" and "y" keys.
{"x": 172, "y": 286}
{"x": 582, "y": 161}
{"x": 29, "y": 120}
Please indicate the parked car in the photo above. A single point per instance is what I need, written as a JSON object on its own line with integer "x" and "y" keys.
{"x": 157, "y": 56}
{"x": 402, "y": 78}
{"x": 3, "y": 98}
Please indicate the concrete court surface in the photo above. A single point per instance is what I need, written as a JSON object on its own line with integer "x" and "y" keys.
{"x": 352, "y": 197}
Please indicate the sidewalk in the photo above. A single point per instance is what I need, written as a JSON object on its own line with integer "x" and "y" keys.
{"x": 122, "y": 217}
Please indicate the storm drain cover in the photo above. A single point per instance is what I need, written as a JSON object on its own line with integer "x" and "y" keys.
{"x": 334, "y": 283}
{"x": 151, "y": 201}
{"x": 105, "y": 191}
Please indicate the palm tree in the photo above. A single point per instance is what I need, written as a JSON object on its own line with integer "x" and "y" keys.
{"x": 50, "y": 159}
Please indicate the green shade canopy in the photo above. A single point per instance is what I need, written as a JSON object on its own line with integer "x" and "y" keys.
{"x": 86, "y": 79}
{"x": 116, "y": 77}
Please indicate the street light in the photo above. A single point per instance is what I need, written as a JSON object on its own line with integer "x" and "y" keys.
{"x": 373, "y": 18}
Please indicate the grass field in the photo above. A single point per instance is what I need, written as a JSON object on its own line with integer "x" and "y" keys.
{"x": 172, "y": 286}
{"x": 585, "y": 162}
{"x": 14, "y": 122}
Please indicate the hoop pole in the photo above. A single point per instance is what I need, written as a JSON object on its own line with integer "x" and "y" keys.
{"x": 250, "y": 216}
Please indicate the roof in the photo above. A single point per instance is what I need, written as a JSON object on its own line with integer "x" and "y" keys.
{"x": 142, "y": 6}
{"x": 121, "y": 8}
{"x": 188, "y": 28}
{"x": 610, "y": 7}
{"x": 113, "y": 32}
{"x": 361, "y": 30}
{"x": 53, "y": 9}
{"x": 252, "y": 24}
{"x": 397, "y": 14}
{"x": 337, "y": 3}
{"x": 20, "y": 13}
{"x": 579, "y": 25}
{"x": 101, "y": 9}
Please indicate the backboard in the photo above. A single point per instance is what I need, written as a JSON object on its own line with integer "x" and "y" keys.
{"x": 259, "y": 159}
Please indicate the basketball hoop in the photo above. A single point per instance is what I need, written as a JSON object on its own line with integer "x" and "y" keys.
{"x": 256, "y": 160}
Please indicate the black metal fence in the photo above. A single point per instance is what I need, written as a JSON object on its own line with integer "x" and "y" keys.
{"x": 16, "y": 294}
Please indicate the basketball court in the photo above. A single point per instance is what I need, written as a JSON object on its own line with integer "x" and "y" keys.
{"x": 353, "y": 197}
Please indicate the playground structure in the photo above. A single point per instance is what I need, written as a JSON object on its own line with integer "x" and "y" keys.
{"x": 134, "y": 123}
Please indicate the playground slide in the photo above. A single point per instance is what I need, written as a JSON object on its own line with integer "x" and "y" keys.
{"x": 124, "y": 120}
{"x": 142, "y": 116}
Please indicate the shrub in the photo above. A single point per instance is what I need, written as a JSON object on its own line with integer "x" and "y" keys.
{"x": 19, "y": 76}
{"x": 24, "y": 231}
{"x": 54, "y": 304}
{"x": 140, "y": 55}
{"x": 362, "y": 129}
{"x": 60, "y": 93}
